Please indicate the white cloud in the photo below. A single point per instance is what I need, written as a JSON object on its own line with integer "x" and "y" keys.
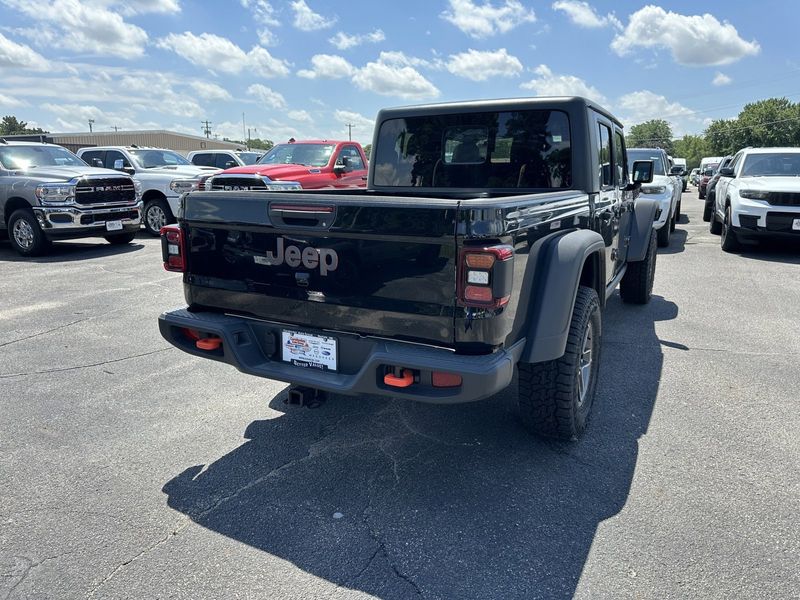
{"x": 20, "y": 55}
{"x": 75, "y": 117}
{"x": 327, "y": 66}
{"x": 485, "y": 19}
{"x": 306, "y": 19}
{"x": 393, "y": 75}
{"x": 267, "y": 96}
{"x": 138, "y": 7}
{"x": 721, "y": 79}
{"x": 300, "y": 115}
{"x": 264, "y": 14}
{"x": 693, "y": 40}
{"x": 10, "y": 101}
{"x": 362, "y": 126}
{"x": 220, "y": 54}
{"x": 549, "y": 84}
{"x": 82, "y": 27}
{"x": 583, "y": 14}
{"x": 343, "y": 41}
{"x": 643, "y": 105}
{"x": 481, "y": 65}
{"x": 210, "y": 91}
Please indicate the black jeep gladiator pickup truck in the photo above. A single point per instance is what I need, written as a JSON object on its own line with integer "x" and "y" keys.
{"x": 488, "y": 239}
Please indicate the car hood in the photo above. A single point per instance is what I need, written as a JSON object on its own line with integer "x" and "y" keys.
{"x": 770, "y": 184}
{"x": 56, "y": 173}
{"x": 276, "y": 172}
{"x": 173, "y": 171}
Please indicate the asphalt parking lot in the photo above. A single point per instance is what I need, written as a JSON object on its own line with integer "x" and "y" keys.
{"x": 131, "y": 470}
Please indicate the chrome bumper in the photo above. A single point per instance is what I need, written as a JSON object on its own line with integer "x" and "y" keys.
{"x": 72, "y": 217}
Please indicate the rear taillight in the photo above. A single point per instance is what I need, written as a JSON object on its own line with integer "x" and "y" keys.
{"x": 173, "y": 248}
{"x": 485, "y": 276}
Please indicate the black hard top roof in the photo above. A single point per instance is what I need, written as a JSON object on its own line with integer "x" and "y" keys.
{"x": 554, "y": 102}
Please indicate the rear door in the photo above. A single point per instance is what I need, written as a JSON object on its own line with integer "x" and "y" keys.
{"x": 609, "y": 202}
{"x": 626, "y": 198}
{"x": 349, "y": 262}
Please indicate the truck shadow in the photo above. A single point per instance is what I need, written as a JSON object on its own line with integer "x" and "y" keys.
{"x": 395, "y": 498}
{"x": 773, "y": 250}
{"x": 677, "y": 242}
{"x": 70, "y": 251}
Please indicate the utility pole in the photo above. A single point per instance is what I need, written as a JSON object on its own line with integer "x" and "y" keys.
{"x": 91, "y": 122}
{"x": 243, "y": 130}
{"x": 116, "y": 128}
{"x": 350, "y": 131}
{"x": 206, "y": 128}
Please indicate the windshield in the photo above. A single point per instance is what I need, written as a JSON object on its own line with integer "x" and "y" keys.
{"x": 150, "y": 159}
{"x": 658, "y": 163}
{"x": 778, "y": 164}
{"x": 309, "y": 155}
{"x": 515, "y": 149}
{"x": 249, "y": 158}
{"x": 26, "y": 157}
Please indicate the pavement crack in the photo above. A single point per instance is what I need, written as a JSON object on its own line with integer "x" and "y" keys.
{"x": 31, "y": 565}
{"x": 76, "y": 367}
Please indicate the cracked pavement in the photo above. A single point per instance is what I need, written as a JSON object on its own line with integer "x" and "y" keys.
{"x": 131, "y": 470}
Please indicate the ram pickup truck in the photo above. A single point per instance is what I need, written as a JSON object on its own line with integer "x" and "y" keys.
{"x": 309, "y": 165}
{"x": 488, "y": 240}
{"x": 47, "y": 193}
{"x": 163, "y": 174}
{"x": 223, "y": 159}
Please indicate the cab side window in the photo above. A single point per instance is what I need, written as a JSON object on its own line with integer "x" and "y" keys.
{"x": 93, "y": 155}
{"x": 114, "y": 155}
{"x": 354, "y": 160}
{"x": 203, "y": 160}
{"x": 620, "y": 159}
{"x": 225, "y": 161}
{"x": 604, "y": 157}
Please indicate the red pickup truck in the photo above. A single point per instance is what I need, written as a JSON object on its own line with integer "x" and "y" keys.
{"x": 310, "y": 164}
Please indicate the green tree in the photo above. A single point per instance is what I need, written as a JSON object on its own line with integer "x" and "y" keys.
{"x": 693, "y": 148}
{"x": 368, "y": 151}
{"x": 655, "y": 133}
{"x": 723, "y": 137}
{"x": 10, "y": 125}
{"x": 259, "y": 144}
{"x": 770, "y": 122}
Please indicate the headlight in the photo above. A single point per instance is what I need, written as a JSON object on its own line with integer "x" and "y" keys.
{"x": 55, "y": 192}
{"x": 137, "y": 186}
{"x": 754, "y": 194}
{"x": 283, "y": 185}
{"x": 179, "y": 186}
{"x": 654, "y": 189}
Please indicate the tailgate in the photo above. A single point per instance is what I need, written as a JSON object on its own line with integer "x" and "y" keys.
{"x": 378, "y": 265}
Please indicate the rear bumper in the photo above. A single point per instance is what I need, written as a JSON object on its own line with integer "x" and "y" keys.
{"x": 253, "y": 347}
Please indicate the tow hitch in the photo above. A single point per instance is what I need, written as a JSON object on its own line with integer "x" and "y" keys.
{"x": 305, "y": 396}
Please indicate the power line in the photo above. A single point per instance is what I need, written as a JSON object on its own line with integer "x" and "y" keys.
{"x": 206, "y": 128}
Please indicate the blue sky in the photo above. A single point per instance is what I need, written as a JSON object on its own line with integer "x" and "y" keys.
{"x": 306, "y": 68}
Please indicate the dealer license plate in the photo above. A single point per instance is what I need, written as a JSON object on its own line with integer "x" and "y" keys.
{"x": 796, "y": 224}
{"x": 311, "y": 351}
{"x": 113, "y": 225}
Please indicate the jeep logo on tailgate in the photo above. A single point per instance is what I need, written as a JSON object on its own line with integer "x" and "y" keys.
{"x": 311, "y": 258}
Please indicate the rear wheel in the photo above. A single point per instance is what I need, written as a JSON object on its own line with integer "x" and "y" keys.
{"x": 663, "y": 234}
{"x": 156, "y": 214}
{"x": 714, "y": 226}
{"x": 25, "y": 235}
{"x": 636, "y": 286}
{"x": 122, "y": 238}
{"x": 555, "y": 397}
{"x": 707, "y": 212}
{"x": 728, "y": 240}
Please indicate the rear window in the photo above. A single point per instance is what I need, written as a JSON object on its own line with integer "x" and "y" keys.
{"x": 515, "y": 149}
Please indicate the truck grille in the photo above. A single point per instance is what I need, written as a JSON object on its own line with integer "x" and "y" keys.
{"x": 105, "y": 191}
{"x": 784, "y": 198}
{"x": 245, "y": 183}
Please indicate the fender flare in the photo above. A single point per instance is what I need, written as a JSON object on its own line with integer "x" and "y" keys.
{"x": 644, "y": 213}
{"x": 556, "y": 281}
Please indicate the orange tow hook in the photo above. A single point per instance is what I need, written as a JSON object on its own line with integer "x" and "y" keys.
{"x": 402, "y": 382}
{"x": 209, "y": 343}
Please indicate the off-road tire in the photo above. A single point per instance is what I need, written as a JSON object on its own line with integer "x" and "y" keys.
{"x": 39, "y": 244}
{"x": 636, "y": 286}
{"x": 662, "y": 235}
{"x": 714, "y": 226}
{"x": 728, "y": 240}
{"x": 549, "y": 392}
{"x": 120, "y": 239}
{"x": 149, "y": 216}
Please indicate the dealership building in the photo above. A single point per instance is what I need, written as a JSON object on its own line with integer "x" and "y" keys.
{"x": 158, "y": 138}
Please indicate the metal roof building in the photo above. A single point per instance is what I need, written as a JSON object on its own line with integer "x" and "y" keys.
{"x": 159, "y": 138}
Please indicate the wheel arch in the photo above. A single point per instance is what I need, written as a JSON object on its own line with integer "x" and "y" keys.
{"x": 12, "y": 204}
{"x": 567, "y": 262}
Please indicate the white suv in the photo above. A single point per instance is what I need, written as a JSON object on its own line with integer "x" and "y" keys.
{"x": 758, "y": 195}
{"x": 664, "y": 189}
{"x": 164, "y": 175}
{"x": 224, "y": 159}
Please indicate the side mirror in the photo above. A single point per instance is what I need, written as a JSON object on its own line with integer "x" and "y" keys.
{"x": 339, "y": 167}
{"x": 642, "y": 171}
{"x": 96, "y": 162}
{"x": 726, "y": 172}
{"x": 708, "y": 173}
{"x": 230, "y": 164}
{"x": 118, "y": 166}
